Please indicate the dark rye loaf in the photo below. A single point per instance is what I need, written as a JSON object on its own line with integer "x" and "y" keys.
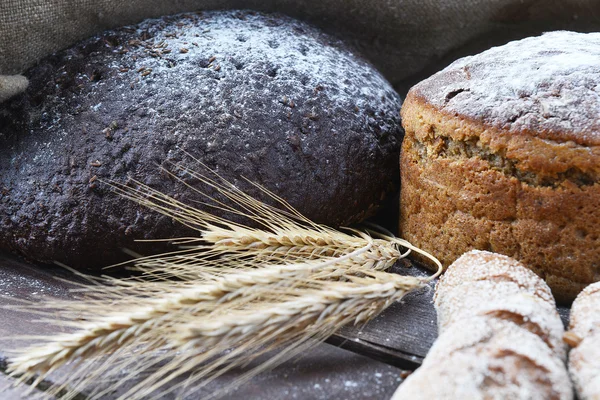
{"x": 259, "y": 96}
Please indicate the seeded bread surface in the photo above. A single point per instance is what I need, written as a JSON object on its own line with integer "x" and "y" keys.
{"x": 502, "y": 153}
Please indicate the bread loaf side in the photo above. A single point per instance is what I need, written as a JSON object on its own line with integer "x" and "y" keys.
{"x": 502, "y": 153}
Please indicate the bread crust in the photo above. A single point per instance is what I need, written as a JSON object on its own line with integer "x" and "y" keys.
{"x": 488, "y": 359}
{"x": 473, "y": 177}
{"x": 544, "y": 87}
{"x": 500, "y": 336}
{"x": 584, "y": 358}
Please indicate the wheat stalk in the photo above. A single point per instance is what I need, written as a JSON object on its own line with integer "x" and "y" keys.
{"x": 286, "y": 236}
{"x": 286, "y": 319}
{"x": 118, "y": 328}
{"x": 290, "y": 236}
{"x": 311, "y": 316}
{"x": 240, "y": 292}
{"x": 184, "y": 265}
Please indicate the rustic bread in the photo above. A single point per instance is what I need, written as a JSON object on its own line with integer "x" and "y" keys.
{"x": 501, "y": 340}
{"x": 485, "y": 358}
{"x": 585, "y": 312}
{"x": 256, "y": 96}
{"x": 502, "y": 153}
{"x": 584, "y": 335}
{"x": 501, "y": 272}
{"x": 504, "y": 289}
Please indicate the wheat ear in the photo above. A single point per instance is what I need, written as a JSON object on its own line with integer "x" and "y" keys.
{"x": 288, "y": 236}
{"x": 118, "y": 328}
{"x": 284, "y": 234}
{"x": 239, "y": 289}
{"x": 288, "y": 319}
{"x": 290, "y": 324}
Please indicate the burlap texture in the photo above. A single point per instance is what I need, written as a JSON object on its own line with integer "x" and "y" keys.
{"x": 11, "y": 85}
{"x": 399, "y": 36}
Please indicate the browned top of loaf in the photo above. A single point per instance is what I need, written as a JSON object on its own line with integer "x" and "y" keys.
{"x": 546, "y": 86}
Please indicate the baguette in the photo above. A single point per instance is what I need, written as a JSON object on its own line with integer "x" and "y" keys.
{"x": 488, "y": 358}
{"x": 500, "y": 336}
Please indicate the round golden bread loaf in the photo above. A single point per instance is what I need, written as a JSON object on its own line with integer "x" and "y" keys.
{"x": 502, "y": 153}
{"x": 488, "y": 359}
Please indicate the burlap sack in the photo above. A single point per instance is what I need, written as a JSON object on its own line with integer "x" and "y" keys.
{"x": 399, "y": 36}
{"x": 11, "y": 85}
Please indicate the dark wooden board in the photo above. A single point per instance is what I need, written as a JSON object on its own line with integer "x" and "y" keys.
{"x": 401, "y": 335}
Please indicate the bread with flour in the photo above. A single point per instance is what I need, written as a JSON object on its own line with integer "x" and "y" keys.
{"x": 253, "y": 96}
{"x": 584, "y": 336}
{"x": 502, "y": 340}
{"x": 502, "y": 153}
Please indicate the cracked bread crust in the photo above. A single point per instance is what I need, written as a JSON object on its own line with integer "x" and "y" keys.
{"x": 528, "y": 87}
{"x": 476, "y": 177}
{"x": 488, "y": 359}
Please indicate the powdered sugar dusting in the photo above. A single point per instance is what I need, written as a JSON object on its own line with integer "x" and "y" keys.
{"x": 548, "y": 86}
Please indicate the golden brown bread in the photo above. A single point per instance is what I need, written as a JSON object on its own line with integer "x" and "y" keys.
{"x": 502, "y": 153}
{"x": 500, "y": 336}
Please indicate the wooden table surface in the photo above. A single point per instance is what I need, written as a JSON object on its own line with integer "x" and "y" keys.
{"x": 359, "y": 362}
